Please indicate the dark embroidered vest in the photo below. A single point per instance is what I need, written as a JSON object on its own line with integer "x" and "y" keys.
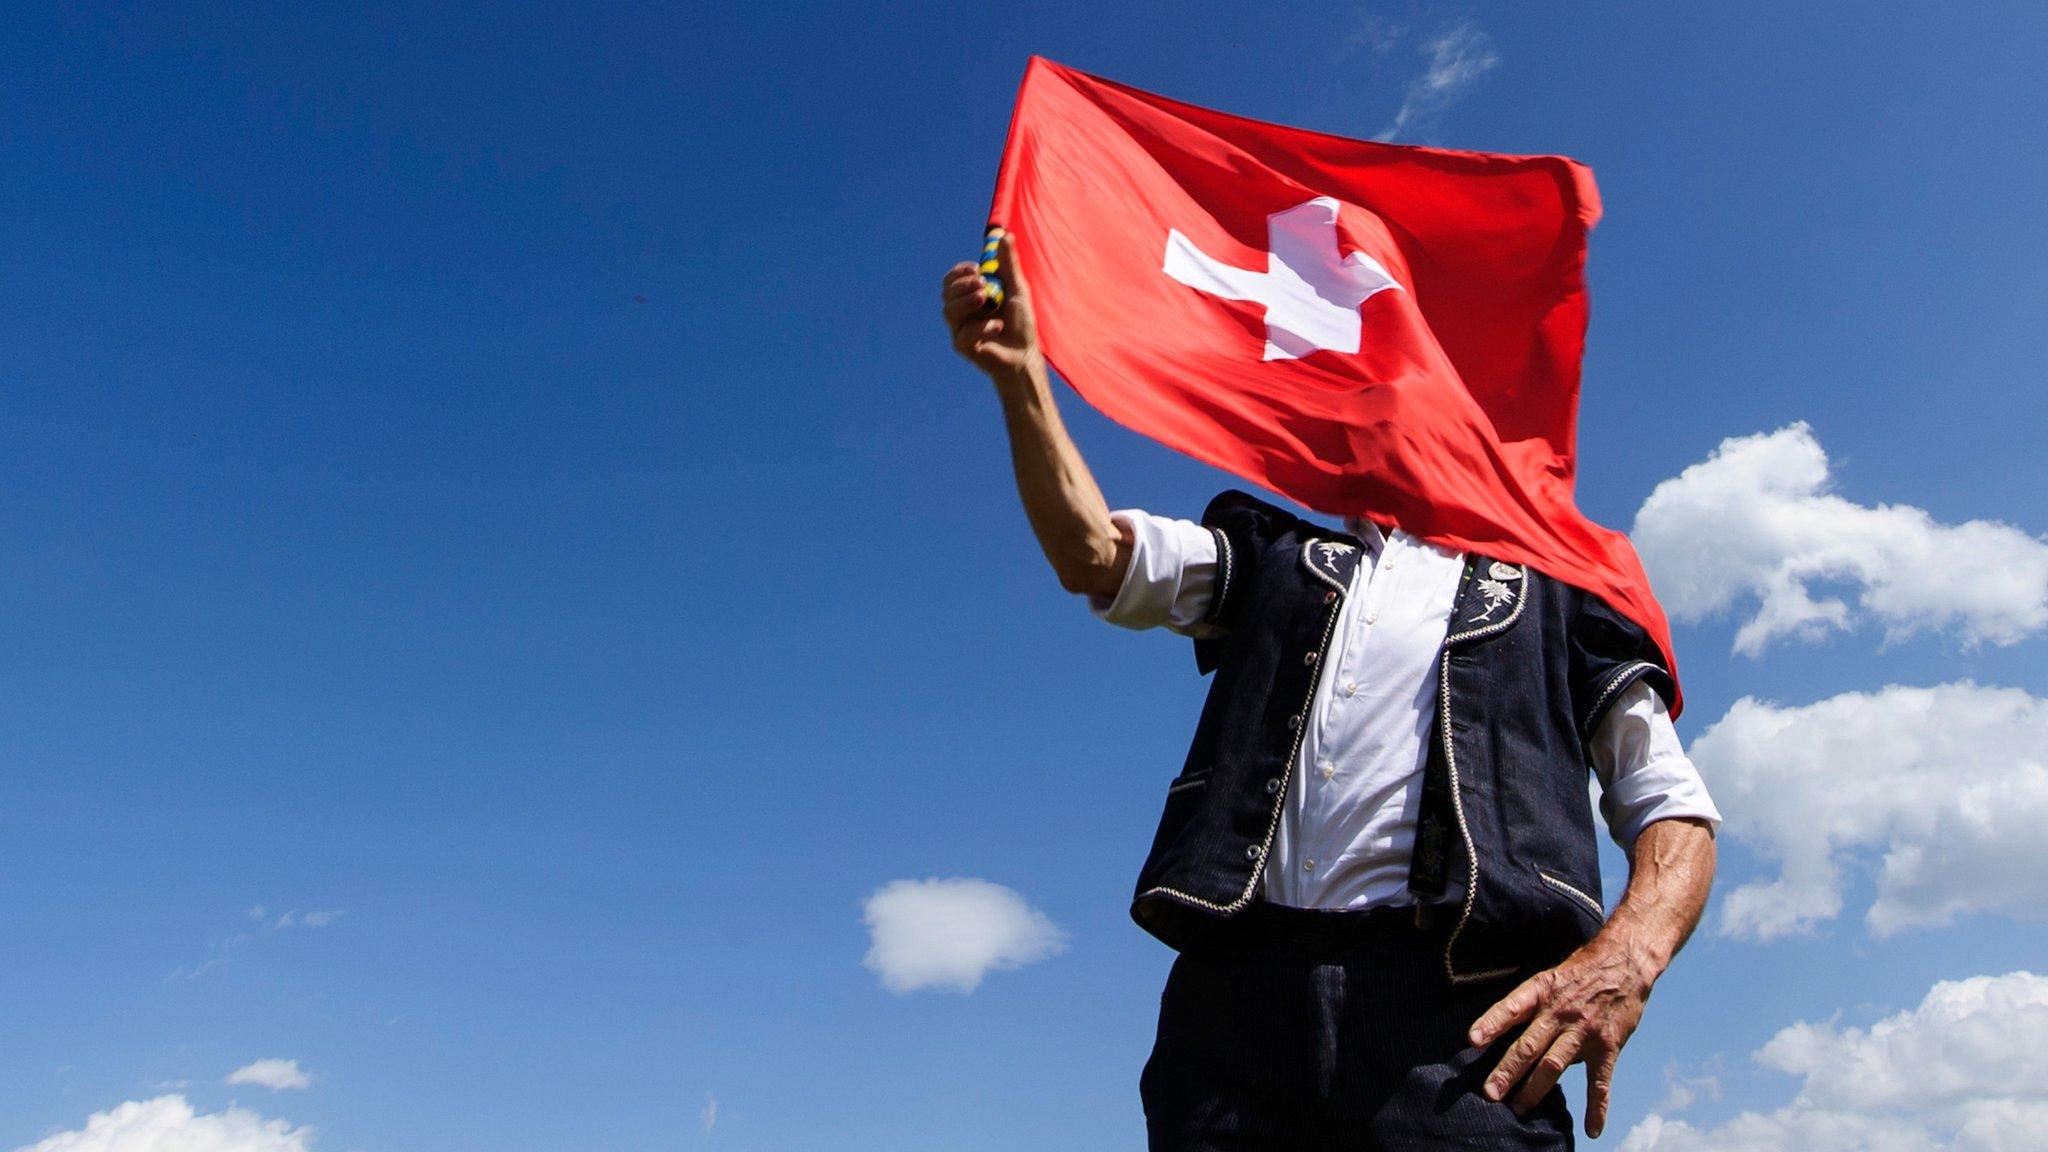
{"x": 1505, "y": 837}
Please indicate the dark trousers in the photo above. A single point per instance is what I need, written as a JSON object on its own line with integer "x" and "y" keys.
{"x": 1287, "y": 1029}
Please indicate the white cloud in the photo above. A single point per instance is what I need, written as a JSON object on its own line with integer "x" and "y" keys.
{"x": 1756, "y": 521}
{"x": 266, "y": 926}
{"x": 1377, "y": 34}
{"x": 168, "y": 1124}
{"x": 1682, "y": 1091}
{"x": 1949, "y": 785}
{"x": 1458, "y": 57}
{"x": 276, "y": 1075}
{"x": 1966, "y": 1071}
{"x": 948, "y": 934}
{"x": 709, "y": 1117}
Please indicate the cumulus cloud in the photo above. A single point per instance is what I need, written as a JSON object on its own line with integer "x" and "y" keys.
{"x": 948, "y": 934}
{"x": 1966, "y": 1071}
{"x": 1946, "y": 786}
{"x": 1458, "y": 57}
{"x": 1756, "y": 524}
{"x": 169, "y": 1124}
{"x": 276, "y": 1075}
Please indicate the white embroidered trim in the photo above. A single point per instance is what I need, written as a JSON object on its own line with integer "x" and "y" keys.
{"x": 1279, "y": 797}
{"x": 1309, "y": 563}
{"x": 1570, "y": 890}
{"x": 1621, "y": 679}
{"x": 1443, "y": 712}
{"x": 1522, "y": 598}
{"x": 1224, "y": 565}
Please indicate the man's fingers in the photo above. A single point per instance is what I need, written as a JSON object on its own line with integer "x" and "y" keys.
{"x": 964, "y": 305}
{"x": 1013, "y": 276}
{"x": 1599, "y": 1080}
{"x": 953, "y": 275}
{"x": 1512, "y": 1009}
{"x": 972, "y": 333}
{"x": 1547, "y": 1071}
{"x": 964, "y": 279}
{"x": 1516, "y": 1064}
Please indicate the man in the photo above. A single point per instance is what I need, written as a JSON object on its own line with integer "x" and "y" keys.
{"x": 1378, "y": 864}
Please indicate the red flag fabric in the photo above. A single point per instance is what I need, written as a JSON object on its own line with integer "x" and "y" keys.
{"x": 1369, "y": 329}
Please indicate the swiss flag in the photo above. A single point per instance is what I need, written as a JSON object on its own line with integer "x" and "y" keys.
{"x": 1369, "y": 329}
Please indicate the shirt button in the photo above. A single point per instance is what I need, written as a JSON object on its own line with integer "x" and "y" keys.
{"x": 1350, "y": 688}
{"x": 1328, "y": 770}
{"x": 1308, "y": 865}
{"x": 1372, "y": 617}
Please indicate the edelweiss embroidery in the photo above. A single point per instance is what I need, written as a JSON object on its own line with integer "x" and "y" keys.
{"x": 1497, "y": 593}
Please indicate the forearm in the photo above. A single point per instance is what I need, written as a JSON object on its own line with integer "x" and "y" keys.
{"x": 1087, "y": 549}
{"x": 1671, "y": 869}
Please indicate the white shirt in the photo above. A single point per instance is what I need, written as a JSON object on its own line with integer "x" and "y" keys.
{"x": 1347, "y": 831}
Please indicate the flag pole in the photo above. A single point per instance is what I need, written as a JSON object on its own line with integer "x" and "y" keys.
{"x": 990, "y": 265}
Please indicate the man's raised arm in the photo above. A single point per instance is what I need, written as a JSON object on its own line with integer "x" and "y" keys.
{"x": 1088, "y": 550}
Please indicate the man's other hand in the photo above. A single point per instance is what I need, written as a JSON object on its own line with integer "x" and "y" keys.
{"x": 1002, "y": 342}
{"x": 1581, "y": 1011}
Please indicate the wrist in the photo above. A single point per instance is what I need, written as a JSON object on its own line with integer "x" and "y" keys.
{"x": 1635, "y": 952}
{"x": 1021, "y": 379}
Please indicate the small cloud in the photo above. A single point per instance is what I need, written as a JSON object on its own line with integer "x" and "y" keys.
{"x": 276, "y": 1075}
{"x": 948, "y": 934}
{"x": 710, "y": 1114}
{"x": 1682, "y": 1091}
{"x": 197, "y": 970}
{"x": 169, "y": 1124}
{"x": 1457, "y": 59}
{"x": 266, "y": 925}
{"x": 1377, "y": 34}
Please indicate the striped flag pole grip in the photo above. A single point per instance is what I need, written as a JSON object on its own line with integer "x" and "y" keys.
{"x": 990, "y": 266}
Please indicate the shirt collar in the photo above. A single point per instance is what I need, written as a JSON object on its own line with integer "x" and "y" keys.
{"x": 1369, "y": 533}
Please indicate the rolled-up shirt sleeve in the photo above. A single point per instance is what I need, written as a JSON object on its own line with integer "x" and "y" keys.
{"x": 1170, "y": 580}
{"x": 1645, "y": 775}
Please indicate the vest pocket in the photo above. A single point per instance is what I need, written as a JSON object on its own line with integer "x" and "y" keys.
{"x": 1576, "y": 893}
{"x": 1185, "y": 783}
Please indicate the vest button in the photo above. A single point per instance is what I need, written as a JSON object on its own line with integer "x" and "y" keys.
{"x": 1251, "y": 851}
{"x": 1329, "y": 597}
{"x": 1294, "y": 722}
{"x": 1272, "y": 785}
{"x": 1308, "y": 658}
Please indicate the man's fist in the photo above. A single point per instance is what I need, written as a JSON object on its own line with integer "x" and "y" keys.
{"x": 1002, "y": 342}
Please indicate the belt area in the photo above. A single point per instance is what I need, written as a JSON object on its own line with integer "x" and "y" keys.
{"x": 1275, "y": 929}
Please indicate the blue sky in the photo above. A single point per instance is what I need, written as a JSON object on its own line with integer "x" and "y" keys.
{"x": 494, "y": 477}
